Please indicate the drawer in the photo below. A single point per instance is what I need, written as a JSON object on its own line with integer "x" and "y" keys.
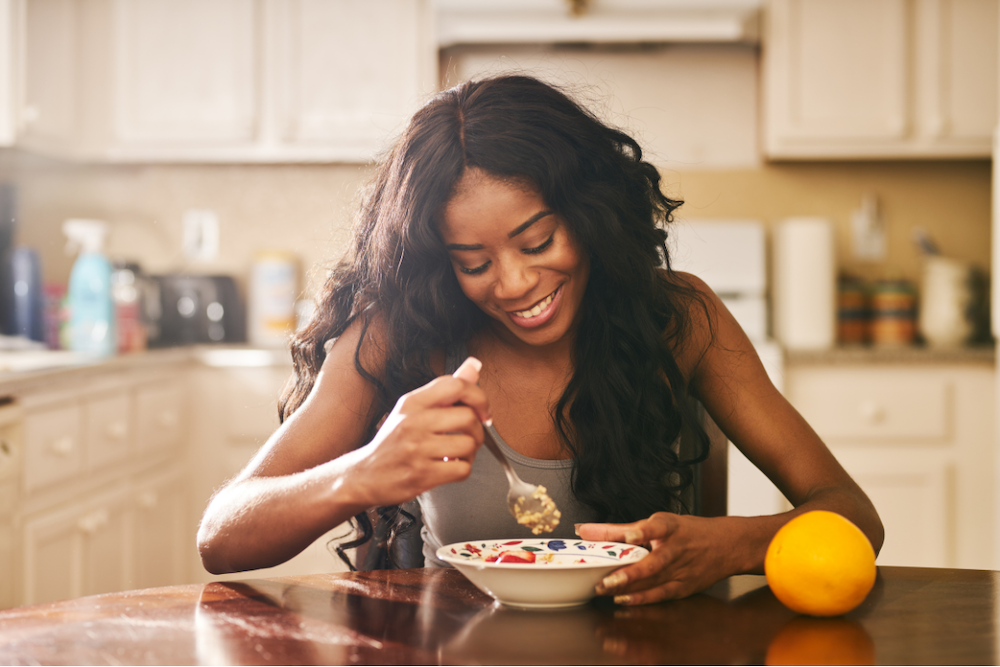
{"x": 53, "y": 450}
{"x": 873, "y": 405}
{"x": 107, "y": 429}
{"x": 159, "y": 414}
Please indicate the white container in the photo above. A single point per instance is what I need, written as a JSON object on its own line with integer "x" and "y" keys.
{"x": 805, "y": 284}
{"x": 274, "y": 289}
{"x": 945, "y": 298}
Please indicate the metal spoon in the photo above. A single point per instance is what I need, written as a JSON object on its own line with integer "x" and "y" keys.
{"x": 531, "y": 505}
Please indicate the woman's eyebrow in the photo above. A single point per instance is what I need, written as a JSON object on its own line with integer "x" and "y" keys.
{"x": 517, "y": 230}
{"x": 528, "y": 223}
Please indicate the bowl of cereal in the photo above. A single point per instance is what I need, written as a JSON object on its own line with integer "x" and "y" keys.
{"x": 539, "y": 573}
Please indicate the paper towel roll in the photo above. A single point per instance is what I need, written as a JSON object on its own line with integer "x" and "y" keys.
{"x": 805, "y": 283}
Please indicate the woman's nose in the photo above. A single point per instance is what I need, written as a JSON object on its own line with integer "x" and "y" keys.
{"x": 514, "y": 280}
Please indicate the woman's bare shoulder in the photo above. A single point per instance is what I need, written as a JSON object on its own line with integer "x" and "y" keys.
{"x": 694, "y": 331}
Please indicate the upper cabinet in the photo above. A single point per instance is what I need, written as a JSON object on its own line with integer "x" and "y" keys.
{"x": 848, "y": 79}
{"x": 228, "y": 80}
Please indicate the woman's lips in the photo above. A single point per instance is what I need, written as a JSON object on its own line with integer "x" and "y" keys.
{"x": 537, "y": 315}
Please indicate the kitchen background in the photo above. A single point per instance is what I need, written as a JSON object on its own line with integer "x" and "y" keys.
{"x": 261, "y": 118}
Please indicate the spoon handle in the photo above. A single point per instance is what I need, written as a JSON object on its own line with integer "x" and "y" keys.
{"x": 491, "y": 442}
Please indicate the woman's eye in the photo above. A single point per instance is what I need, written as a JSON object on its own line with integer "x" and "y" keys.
{"x": 539, "y": 248}
{"x": 475, "y": 270}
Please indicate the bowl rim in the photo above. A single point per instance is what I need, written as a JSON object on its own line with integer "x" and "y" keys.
{"x": 634, "y": 553}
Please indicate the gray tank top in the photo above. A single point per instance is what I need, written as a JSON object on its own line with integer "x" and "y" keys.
{"x": 476, "y": 508}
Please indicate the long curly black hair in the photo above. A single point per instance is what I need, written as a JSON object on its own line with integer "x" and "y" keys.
{"x": 625, "y": 399}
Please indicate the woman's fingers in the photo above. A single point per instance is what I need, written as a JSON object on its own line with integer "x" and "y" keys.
{"x": 449, "y": 390}
{"x": 638, "y": 532}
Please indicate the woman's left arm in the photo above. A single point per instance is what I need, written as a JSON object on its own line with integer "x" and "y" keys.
{"x": 690, "y": 553}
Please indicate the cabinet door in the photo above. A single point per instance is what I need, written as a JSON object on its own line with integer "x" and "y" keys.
{"x": 107, "y": 419}
{"x": 51, "y": 74}
{"x": 341, "y": 89}
{"x": 836, "y": 71}
{"x": 956, "y": 66}
{"x": 159, "y": 415}
{"x": 163, "y": 538}
{"x": 913, "y": 494}
{"x": 880, "y": 78}
{"x": 53, "y": 446}
{"x": 185, "y": 71}
{"x": 78, "y": 550}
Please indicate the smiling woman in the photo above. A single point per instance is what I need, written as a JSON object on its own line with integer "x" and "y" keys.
{"x": 509, "y": 224}
{"x": 515, "y": 258}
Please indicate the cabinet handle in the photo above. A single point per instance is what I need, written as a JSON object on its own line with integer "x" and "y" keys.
{"x": 871, "y": 412}
{"x": 93, "y": 522}
{"x": 117, "y": 430}
{"x": 63, "y": 446}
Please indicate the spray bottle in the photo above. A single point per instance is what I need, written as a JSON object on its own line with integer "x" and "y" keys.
{"x": 89, "y": 297}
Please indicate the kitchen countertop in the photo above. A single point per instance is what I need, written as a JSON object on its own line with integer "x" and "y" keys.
{"x": 979, "y": 354}
{"x": 25, "y": 368}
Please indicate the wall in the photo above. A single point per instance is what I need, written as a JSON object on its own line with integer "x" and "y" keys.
{"x": 304, "y": 209}
{"x": 307, "y": 208}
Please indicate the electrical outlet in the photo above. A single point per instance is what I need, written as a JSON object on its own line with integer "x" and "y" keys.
{"x": 201, "y": 235}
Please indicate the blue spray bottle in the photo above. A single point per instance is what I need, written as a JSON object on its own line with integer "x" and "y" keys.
{"x": 91, "y": 306}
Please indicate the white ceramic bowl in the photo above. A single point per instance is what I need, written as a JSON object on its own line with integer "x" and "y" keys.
{"x": 564, "y": 573}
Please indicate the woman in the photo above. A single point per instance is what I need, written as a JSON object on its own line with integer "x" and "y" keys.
{"x": 510, "y": 225}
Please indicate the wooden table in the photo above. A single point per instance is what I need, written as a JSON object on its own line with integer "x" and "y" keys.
{"x": 913, "y": 615}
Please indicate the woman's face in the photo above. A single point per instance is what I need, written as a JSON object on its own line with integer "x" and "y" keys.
{"x": 515, "y": 258}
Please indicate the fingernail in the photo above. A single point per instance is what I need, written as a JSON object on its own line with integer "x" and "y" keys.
{"x": 623, "y": 599}
{"x": 633, "y": 537}
{"x": 614, "y": 580}
{"x": 471, "y": 363}
{"x": 576, "y": 528}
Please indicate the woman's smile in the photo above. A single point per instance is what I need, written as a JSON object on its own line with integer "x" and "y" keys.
{"x": 538, "y": 314}
{"x": 515, "y": 258}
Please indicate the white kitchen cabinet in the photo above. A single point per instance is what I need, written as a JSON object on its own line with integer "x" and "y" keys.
{"x": 163, "y": 538}
{"x": 228, "y": 80}
{"x": 918, "y": 439}
{"x": 846, "y": 79}
{"x": 77, "y": 549}
{"x": 102, "y": 503}
{"x": 338, "y": 87}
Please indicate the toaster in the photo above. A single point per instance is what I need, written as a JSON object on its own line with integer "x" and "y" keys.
{"x": 198, "y": 309}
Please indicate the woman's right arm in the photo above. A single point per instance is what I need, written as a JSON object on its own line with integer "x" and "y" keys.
{"x": 315, "y": 472}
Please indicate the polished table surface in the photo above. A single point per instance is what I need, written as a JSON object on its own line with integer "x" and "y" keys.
{"x": 912, "y": 616}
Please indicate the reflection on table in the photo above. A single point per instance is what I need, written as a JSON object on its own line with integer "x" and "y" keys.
{"x": 435, "y": 616}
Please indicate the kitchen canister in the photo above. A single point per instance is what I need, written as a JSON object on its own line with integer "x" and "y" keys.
{"x": 893, "y": 313}
{"x": 274, "y": 290}
{"x": 805, "y": 283}
{"x": 946, "y": 302}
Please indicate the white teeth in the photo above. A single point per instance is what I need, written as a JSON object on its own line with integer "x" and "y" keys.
{"x": 536, "y": 311}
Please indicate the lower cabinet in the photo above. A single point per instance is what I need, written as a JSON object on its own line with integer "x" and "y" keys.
{"x": 163, "y": 538}
{"x": 919, "y": 440}
{"x": 101, "y": 499}
{"x": 82, "y": 549}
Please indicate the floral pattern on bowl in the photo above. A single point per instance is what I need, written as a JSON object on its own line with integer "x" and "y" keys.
{"x": 548, "y": 553}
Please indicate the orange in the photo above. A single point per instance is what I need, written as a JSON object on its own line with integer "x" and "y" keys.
{"x": 820, "y": 564}
{"x": 821, "y": 641}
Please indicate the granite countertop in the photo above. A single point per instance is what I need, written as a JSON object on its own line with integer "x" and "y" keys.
{"x": 914, "y": 354}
